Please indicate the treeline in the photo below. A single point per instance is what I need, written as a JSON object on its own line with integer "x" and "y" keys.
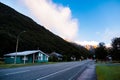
{"x": 103, "y": 53}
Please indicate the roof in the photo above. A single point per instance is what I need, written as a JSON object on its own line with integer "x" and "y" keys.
{"x": 25, "y": 53}
{"x": 56, "y": 54}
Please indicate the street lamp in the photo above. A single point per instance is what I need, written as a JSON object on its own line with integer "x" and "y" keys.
{"x": 17, "y": 45}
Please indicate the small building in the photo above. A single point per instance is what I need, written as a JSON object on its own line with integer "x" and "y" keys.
{"x": 26, "y": 57}
{"x": 56, "y": 56}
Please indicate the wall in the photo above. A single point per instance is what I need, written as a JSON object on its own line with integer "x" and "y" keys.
{"x": 10, "y": 59}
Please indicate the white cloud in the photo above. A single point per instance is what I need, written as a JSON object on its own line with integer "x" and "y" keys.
{"x": 108, "y": 45}
{"x": 98, "y": 33}
{"x": 87, "y": 43}
{"x": 111, "y": 33}
{"x": 93, "y": 43}
{"x": 54, "y": 17}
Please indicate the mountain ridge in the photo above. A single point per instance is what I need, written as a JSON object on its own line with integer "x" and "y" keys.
{"x": 35, "y": 37}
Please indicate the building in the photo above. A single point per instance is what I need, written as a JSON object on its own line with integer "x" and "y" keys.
{"x": 26, "y": 57}
{"x": 56, "y": 57}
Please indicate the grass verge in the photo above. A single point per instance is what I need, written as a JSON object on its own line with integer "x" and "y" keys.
{"x": 21, "y": 65}
{"x": 108, "y": 72}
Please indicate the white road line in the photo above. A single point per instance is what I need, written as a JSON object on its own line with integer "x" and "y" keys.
{"x": 17, "y": 72}
{"x": 73, "y": 76}
{"x": 58, "y": 72}
{"x": 53, "y": 74}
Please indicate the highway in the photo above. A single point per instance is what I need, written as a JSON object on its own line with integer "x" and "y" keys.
{"x": 59, "y": 71}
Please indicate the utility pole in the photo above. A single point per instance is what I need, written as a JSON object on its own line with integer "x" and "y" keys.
{"x": 17, "y": 45}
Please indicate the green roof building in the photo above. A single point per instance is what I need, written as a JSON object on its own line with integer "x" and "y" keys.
{"x": 26, "y": 57}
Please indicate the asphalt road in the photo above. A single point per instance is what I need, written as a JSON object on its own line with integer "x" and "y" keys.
{"x": 59, "y": 71}
{"x": 89, "y": 73}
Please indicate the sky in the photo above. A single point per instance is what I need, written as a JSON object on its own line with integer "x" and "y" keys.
{"x": 80, "y": 21}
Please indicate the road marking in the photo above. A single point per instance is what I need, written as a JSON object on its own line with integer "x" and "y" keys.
{"x": 53, "y": 74}
{"x": 58, "y": 72}
{"x": 17, "y": 72}
{"x": 71, "y": 78}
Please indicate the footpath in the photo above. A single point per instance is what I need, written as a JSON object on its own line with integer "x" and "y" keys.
{"x": 89, "y": 73}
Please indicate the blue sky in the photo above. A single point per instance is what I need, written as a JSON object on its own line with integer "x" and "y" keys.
{"x": 95, "y": 17}
{"x": 90, "y": 21}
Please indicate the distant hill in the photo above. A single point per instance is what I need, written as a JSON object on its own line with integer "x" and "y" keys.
{"x": 35, "y": 37}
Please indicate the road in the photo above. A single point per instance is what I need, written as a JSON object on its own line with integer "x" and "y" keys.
{"x": 59, "y": 71}
{"x": 89, "y": 73}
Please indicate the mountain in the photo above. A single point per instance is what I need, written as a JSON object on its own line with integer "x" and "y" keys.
{"x": 35, "y": 37}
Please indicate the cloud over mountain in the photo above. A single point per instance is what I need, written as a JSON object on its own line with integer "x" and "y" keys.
{"x": 55, "y": 17}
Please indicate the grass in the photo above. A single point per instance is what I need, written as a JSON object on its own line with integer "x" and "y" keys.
{"x": 108, "y": 72}
{"x": 3, "y": 65}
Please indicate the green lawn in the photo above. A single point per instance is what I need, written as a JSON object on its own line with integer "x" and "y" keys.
{"x": 108, "y": 72}
{"x": 21, "y": 65}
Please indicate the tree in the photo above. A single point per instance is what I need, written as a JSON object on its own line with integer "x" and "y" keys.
{"x": 101, "y": 51}
{"x": 116, "y": 48}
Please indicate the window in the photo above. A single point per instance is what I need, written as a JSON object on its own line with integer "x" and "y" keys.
{"x": 11, "y": 57}
{"x": 39, "y": 58}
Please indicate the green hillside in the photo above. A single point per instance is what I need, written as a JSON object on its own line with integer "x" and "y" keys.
{"x": 35, "y": 37}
